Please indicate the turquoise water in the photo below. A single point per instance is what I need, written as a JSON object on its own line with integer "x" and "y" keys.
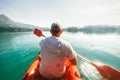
{"x": 19, "y": 49}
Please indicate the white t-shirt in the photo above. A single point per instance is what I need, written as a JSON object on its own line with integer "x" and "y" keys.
{"x": 54, "y": 52}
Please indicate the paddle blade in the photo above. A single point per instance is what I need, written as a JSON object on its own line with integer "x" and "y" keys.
{"x": 38, "y": 32}
{"x": 107, "y": 72}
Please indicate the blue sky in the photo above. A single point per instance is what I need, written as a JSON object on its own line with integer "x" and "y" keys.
{"x": 66, "y": 12}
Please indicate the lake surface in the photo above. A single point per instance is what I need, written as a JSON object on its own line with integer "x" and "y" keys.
{"x": 19, "y": 49}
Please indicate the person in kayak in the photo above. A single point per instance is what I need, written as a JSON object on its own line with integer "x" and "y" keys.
{"x": 54, "y": 52}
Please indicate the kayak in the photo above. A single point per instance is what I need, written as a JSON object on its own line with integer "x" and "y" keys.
{"x": 32, "y": 72}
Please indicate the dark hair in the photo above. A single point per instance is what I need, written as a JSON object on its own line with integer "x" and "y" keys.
{"x": 55, "y": 31}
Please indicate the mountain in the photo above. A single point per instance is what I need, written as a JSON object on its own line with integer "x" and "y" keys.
{"x": 101, "y": 29}
{"x": 8, "y": 25}
{"x": 5, "y": 20}
{"x": 96, "y": 29}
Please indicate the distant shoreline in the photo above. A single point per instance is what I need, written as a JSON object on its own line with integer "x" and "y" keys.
{"x": 86, "y": 30}
{"x": 8, "y": 25}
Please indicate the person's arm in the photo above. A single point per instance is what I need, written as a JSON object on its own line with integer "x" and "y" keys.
{"x": 72, "y": 55}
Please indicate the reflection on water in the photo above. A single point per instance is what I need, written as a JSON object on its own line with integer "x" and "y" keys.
{"x": 98, "y": 48}
{"x": 88, "y": 71}
{"x": 18, "y": 50}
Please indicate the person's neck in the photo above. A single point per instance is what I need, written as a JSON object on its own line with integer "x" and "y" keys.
{"x": 56, "y": 35}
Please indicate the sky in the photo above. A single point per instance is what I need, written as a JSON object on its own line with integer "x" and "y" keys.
{"x": 66, "y": 12}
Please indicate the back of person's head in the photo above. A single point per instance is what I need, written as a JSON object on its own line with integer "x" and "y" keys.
{"x": 55, "y": 28}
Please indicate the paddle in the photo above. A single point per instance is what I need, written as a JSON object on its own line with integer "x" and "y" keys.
{"x": 106, "y": 71}
{"x": 38, "y": 32}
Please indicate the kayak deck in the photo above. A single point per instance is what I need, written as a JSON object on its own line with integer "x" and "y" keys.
{"x": 32, "y": 73}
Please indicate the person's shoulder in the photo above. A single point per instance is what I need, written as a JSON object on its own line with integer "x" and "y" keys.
{"x": 65, "y": 42}
{"x": 49, "y": 38}
{"x": 43, "y": 41}
{"x": 46, "y": 38}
